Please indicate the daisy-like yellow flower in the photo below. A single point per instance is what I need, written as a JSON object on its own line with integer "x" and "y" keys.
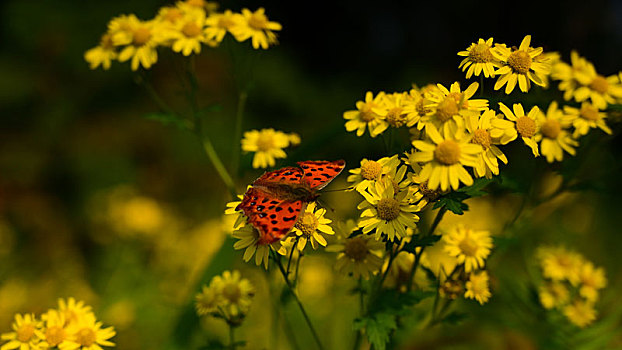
{"x": 26, "y": 335}
{"x": 359, "y": 256}
{"x": 55, "y": 333}
{"x": 140, "y": 40}
{"x": 448, "y": 108}
{"x": 479, "y": 59}
{"x": 585, "y": 118}
{"x": 600, "y": 90}
{"x": 559, "y": 264}
{"x": 365, "y": 117}
{"x": 250, "y": 240}
{"x": 527, "y": 126}
{"x": 553, "y": 136}
{"x": 207, "y": 301}
{"x": 552, "y": 58}
{"x": 470, "y": 247}
{"x": 73, "y": 311}
{"x": 372, "y": 171}
{"x": 169, "y": 15}
{"x": 394, "y": 112}
{"x": 257, "y": 27}
{"x": 103, "y": 54}
{"x": 236, "y": 292}
{"x": 477, "y": 287}
{"x": 267, "y": 144}
{"x": 187, "y": 35}
{"x": 591, "y": 280}
{"x": 187, "y": 5}
{"x": 522, "y": 65}
{"x": 387, "y": 212}
{"x": 437, "y": 260}
{"x": 445, "y": 158}
{"x": 413, "y": 105}
{"x": 89, "y": 334}
{"x": 567, "y": 73}
{"x": 311, "y": 226}
{"x": 553, "y": 295}
{"x": 219, "y": 24}
{"x": 580, "y": 312}
{"x": 480, "y": 128}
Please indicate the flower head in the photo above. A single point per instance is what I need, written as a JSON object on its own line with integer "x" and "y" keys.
{"x": 310, "y": 227}
{"x": 139, "y": 40}
{"x": 219, "y": 24}
{"x": 372, "y": 171}
{"x": 206, "y": 301}
{"x": 358, "y": 256}
{"x": 366, "y": 116}
{"x": 553, "y": 294}
{"x": 257, "y": 27}
{"x": 580, "y": 312}
{"x": 470, "y": 247}
{"x": 553, "y": 136}
{"x": 88, "y": 334}
{"x": 479, "y": 59}
{"x": 103, "y": 54}
{"x": 481, "y": 130}
{"x": 267, "y": 144}
{"x": 477, "y": 287}
{"x": 235, "y": 292}
{"x": 523, "y": 65}
{"x": 585, "y": 118}
{"x": 27, "y": 334}
{"x": 250, "y": 240}
{"x": 517, "y": 123}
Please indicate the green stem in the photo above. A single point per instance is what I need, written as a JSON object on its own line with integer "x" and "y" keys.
{"x": 386, "y": 272}
{"x": 437, "y": 220}
{"x": 481, "y": 84}
{"x": 293, "y": 292}
{"x": 232, "y": 345}
{"x": 291, "y": 255}
{"x": 218, "y": 165}
{"x": 359, "y": 334}
{"x": 237, "y": 136}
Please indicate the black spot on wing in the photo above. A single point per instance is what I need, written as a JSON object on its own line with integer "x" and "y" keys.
{"x": 278, "y": 209}
{"x": 291, "y": 218}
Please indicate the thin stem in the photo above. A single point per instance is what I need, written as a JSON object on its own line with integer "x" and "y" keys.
{"x": 220, "y": 167}
{"x": 232, "y": 344}
{"x": 293, "y": 292}
{"x": 237, "y": 136}
{"x": 359, "y": 334}
{"x": 386, "y": 272}
{"x": 481, "y": 84}
{"x": 437, "y": 220}
{"x": 291, "y": 254}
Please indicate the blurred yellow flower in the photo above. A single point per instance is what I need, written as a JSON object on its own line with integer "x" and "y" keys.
{"x": 553, "y": 136}
{"x": 89, "y": 334}
{"x": 311, "y": 226}
{"x": 250, "y": 240}
{"x": 267, "y": 144}
{"x": 480, "y": 128}
{"x": 591, "y": 280}
{"x": 358, "y": 256}
{"x": 445, "y": 158}
{"x": 207, "y": 301}
{"x": 187, "y": 34}
{"x": 139, "y": 40}
{"x": 27, "y": 334}
{"x": 257, "y": 27}
{"x": 219, "y": 24}
{"x": 477, "y": 287}
{"x": 559, "y": 264}
{"x": 580, "y": 312}
{"x": 437, "y": 260}
{"x": 470, "y": 247}
{"x": 553, "y": 294}
{"x": 235, "y": 293}
{"x": 103, "y": 54}
{"x": 73, "y": 311}
{"x": 585, "y": 118}
{"x": 522, "y": 65}
{"x": 55, "y": 330}
{"x": 479, "y": 59}
{"x": 366, "y": 116}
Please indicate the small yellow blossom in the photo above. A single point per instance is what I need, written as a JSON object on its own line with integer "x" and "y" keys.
{"x": 267, "y": 144}
{"x": 372, "y": 171}
{"x": 250, "y": 240}
{"x": 553, "y": 295}
{"x": 103, "y": 54}
{"x": 139, "y": 40}
{"x": 581, "y": 313}
{"x": 365, "y": 116}
{"x": 257, "y": 27}
{"x": 477, "y": 287}
{"x": 359, "y": 256}
{"x": 206, "y": 301}
{"x": 553, "y": 136}
{"x": 522, "y": 65}
{"x": 480, "y": 128}
{"x": 470, "y": 247}
{"x": 479, "y": 59}
{"x": 526, "y": 126}
{"x": 585, "y": 118}
{"x": 560, "y": 264}
{"x": 311, "y": 226}
{"x": 27, "y": 334}
{"x": 73, "y": 311}
{"x": 591, "y": 280}
{"x": 89, "y": 334}
{"x": 236, "y": 293}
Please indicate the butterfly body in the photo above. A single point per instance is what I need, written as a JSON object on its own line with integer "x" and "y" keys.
{"x": 277, "y": 198}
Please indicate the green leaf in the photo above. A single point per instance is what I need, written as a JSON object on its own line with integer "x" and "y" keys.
{"x": 454, "y": 318}
{"x": 476, "y": 189}
{"x": 168, "y": 119}
{"x": 453, "y": 201}
{"x": 378, "y": 328}
{"x": 418, "y": 241}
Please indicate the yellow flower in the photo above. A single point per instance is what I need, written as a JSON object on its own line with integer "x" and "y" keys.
{"x": 257, "y": 27}
{"x": 448, "y": 108}
{"x": 479, "y": 59}
{"x": 393, "y": 111}
{"x": 187, "y": 34}
{"x": 101, "y": 55}
{"x": 26, "y": 335}
{"x": 366, "y": 117}
{"x": 437, "y": 260}
{"x": 236, "y": 293}
{"x": 140, "y": 39}
{"x": 187, "y": 5}
{"x": 207, "y": 301}
{"x": 372, "y": 171}
{"x": 522, "y": 65}
{"x": 294, "y": 139}
{"x": 585, "y": 118}
{"x": 169, "y": 16}
{"x": 359, "y": 256}
{"x": 73, "y": 311}
{"x": 240, "y": 218}
{"x": 267, "y": 144}
{"x": 89, "y": 334}
{"x": 553, "y": 136}
{"x": 591, "y": 279}
{"x": 524, "y": 125}
{"x": 470, "y": 247}
{"x": 413, "y": 105}
{"x": 560, "y": 264}
{"x": 310, "y": 226}
{"x": 581, "y": 313}
{"x": 566, "y": 73}
{"x": 250, "y": 240}
{"x": 218, "y": 24}
{"x": 477, "y": 287}
{"x": 55, "y": 330}
{"x": 553, "y": 295}
{"x": 445, "y": 158}
{"x": 480, "y": 128}
{"x": 387, "y": 212}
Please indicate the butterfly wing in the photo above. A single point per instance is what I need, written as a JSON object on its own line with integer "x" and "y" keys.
{"x": 273, "y": 218}
{"x": 289, "y": 175}
{"x": 318, "y": 173}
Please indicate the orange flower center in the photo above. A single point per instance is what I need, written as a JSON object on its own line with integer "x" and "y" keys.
{"x": 54, "y": 335}
{"x": 25, "y": 332}
{"x": 480, "y": 53}
{"x": 356, "y": 248}
{"x": 388, "y": 209}
{"x": 526, "y": 126}
{"x": 307, "y": 223}
{"x": 600, "y": 84}
{"x": 265, "y": 143}
{"x": 468, "y": 246}
{"x": 141, "y": 36}
{"x": 191, "y": 30}
{"x": 371, "y": 170}
{"x": 482, "y": 137}
{"x": 86, "y": 337}
{"x": 551, "y": 129}
{"x": 447, "y": 152}
{"x": 589, "y": 113}
{"x": 520, "y": 61}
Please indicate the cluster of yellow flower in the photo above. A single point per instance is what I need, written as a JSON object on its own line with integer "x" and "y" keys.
{"x": 228, "y": 296}
{"x": 184, "y": 28}
{"x": 71, "y": 326}
{"x": 268, "y": 144}
{"x": 571, "y": 285}
{"x": 451, "y": 130}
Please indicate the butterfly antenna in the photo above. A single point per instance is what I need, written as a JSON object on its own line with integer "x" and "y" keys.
{"x": 339, "y": 190}
{"x": 325, "y": 205}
